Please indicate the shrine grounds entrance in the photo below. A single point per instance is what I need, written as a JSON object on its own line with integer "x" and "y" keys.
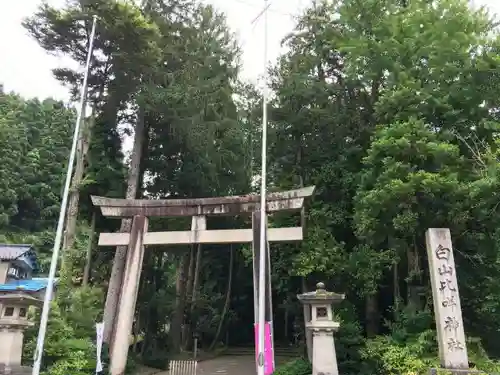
{"x": 126, "y": 273}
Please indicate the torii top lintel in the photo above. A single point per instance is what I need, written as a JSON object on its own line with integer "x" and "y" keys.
{"x": 231, "y": 205}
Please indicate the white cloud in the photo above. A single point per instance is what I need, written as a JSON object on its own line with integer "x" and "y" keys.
{"x": 241, "y": 14}
{"x": 24, "y": 66}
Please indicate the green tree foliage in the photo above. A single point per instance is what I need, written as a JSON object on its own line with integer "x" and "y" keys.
{"x": 35, "y": 145}
{"x": 64, "y": 351}
{"x": 296, "y": 367}
{"x": 380, "y": 105}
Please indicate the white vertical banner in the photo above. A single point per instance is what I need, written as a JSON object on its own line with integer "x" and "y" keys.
{"x": 99, "y": 328}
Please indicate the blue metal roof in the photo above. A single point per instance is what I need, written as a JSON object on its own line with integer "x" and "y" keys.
{"x": 30, "y": 285}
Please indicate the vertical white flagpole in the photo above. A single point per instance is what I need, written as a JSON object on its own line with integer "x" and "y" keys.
{"x": 62, "y": 214}
{"x": 263, "y": 216}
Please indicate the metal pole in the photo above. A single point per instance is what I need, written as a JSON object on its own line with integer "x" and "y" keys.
{"x": 263, "y": 216}
{"x": 62, "y": 215}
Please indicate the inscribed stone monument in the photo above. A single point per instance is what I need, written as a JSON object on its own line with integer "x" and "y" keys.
{"x": 447, "y": 309}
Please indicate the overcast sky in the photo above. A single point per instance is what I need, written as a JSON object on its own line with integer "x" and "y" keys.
{"x": 26, "y": 68}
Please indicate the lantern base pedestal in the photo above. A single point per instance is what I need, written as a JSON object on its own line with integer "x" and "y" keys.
{"x": 324, "y": 356}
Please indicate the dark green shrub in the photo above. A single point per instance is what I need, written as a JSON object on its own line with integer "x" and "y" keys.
{"x": 349, "y": 340}
{"x": 156, "y": 359}
{"x": 129, "y": 368}
{"x": 79, "y": 359}
{"x": 299, "y": 366}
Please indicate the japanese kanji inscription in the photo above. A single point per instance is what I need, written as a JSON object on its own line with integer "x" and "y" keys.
{"x": 451, "y": 323}
{"x": 447, "y": 310}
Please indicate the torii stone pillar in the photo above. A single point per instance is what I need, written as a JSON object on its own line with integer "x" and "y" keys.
{"x": 130, "y": 287}
{"x": 321, "y": 325}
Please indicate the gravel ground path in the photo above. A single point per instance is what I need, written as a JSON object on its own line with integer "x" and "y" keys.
{"x": 224, "y": 365}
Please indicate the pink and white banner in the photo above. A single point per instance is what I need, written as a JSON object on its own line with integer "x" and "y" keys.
{"x": 268, "y": 348}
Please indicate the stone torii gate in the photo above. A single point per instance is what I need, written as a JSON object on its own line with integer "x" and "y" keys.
{"x": 122, "y": 313}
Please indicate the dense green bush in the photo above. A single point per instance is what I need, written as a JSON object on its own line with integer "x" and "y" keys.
{"x": 299, "y": 366}
{"x": 64, "y": 352}
{"x": 129, "y": 368}
{"x": 411, "y": 347}
{"x": 156, "y": 359}
{"x": 383, "y": 356}
{"x": 69, "y": 344}
{"x": 349, "y": 340}
{"x": 78, "y": 360}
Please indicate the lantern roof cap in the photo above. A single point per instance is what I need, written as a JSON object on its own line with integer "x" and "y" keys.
{"x": 320, "y": 295}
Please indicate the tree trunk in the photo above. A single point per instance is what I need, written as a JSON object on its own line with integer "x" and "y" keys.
{"x": 287, "y": 319}
{"x": 190, "y": 278}
{"x": 372, "y": 315}
{"x": 115, "y": 281}
{"x": 227, "y": 302}
{"x": 150, "y": 317}
{"x": 74, "y": 193}
{"x": 196, "y": 281}
{"x": 413, "y": 276}
{"x": 136, "y": 331}
{"x": 88, "y": 258}
{"x": 307, "y": 317}
{"x": 396, "y": 289}
{"x": 178, "y": 316}
{"x": 147, "y": 338}
{"x": 189, "y": 292}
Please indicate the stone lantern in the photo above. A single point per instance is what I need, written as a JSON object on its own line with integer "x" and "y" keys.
{"x": 13, "y": 322}
{"x": 18, "y": 291}
{"x": 320, "y": 328}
